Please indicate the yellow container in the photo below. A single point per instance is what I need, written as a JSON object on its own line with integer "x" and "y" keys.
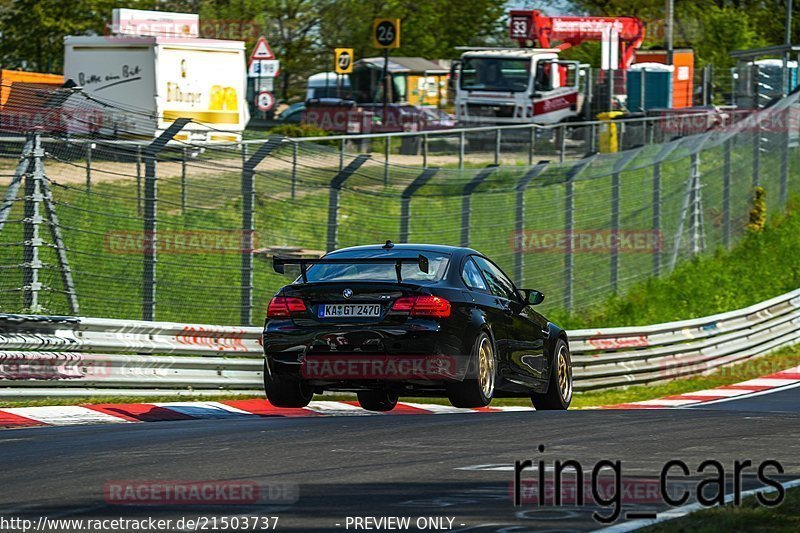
{"x": 609, "y": 131}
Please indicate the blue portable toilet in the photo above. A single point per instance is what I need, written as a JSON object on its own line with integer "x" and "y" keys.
{"x": 649, "y": 86}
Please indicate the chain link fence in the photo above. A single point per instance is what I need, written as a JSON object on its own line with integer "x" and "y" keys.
{"x": 170, "y": 230}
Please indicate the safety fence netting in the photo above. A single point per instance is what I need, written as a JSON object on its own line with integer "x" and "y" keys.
{"x": 111, "y": 211}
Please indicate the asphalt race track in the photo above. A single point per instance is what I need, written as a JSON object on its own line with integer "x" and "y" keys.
{"x": 446, "y": 466}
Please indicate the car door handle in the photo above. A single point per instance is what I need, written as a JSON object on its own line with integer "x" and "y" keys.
{"x": 546, "y": 333}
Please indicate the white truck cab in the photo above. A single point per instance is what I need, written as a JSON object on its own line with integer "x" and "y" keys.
{"x": 516, "y": 86}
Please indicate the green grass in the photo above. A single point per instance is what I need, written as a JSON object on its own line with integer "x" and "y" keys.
{"x": 759, "y": 267}
{"x": 204, "y": 287}
{"x": 750, "y": 516}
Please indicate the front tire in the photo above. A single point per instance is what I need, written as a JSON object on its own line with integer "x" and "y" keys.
{"x": 559, "y": 391}
{"x": 284, "y": 391}
{"x": 478, "y": 391}
{"x": 377, "y": 400}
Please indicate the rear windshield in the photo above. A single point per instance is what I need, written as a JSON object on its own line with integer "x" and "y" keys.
{"x": 437, "y": 265}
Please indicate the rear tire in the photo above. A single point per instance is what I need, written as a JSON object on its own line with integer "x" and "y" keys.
{"x": 477, "y": 391}
{"x": 284, "y": 391}
{"x": 377, "y": 400}
{"x": 559, "y": 392}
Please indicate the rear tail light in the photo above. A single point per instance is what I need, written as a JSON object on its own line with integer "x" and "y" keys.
{"x": 425, "y": 306}
{"x": 282, "y": 306}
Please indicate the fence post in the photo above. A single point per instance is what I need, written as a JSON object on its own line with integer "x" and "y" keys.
{"x": 563, "y": 143}
{"x": 519, "y": 220}
{"x": 424, "y": 150}
{"x": 387, "y": 146}
{"x": 466, "y": 201}
{"x": 531, "y": 144}
{"x": 183, "y": 180}
{"x": 32, "y": 220}
{"x": 89, "y": 167}
{"x": 569, "y": 224}
{"x": 726, "y": 195}
{"x": 294, "y": 169}
{"x": 150, "y": 201}
{"x": 497, "y": 140}
{"x": 756, "y": 150}
{"x": 619, "y": 166}
{"x": 784, "y": 137}
{"x": 249, "y": 165}
{"x": 341, "y": 153}
{"x": 333, "y": 199}
{"x": 657, "y": 218}
{"x": 139, "y": 179}
{"x": 593, "y": 138}
{"x": 16, "y": 181}
{"x": 462, "y": 140}
{"x": 405, "y": 201}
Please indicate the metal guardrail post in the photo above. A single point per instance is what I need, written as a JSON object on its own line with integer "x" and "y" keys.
{"x": 183, "y": 180}
{"x": 784, "y": 168}
{"x": 726, "y": 195}
{"x": 498, "y": 135}
{"x": 562, "y": 151}
{"x": 16, "y": 181}
{"x": 341, "y": 154}
{"x": 32, "y": 220}
{"x": 619, "y": 166}
{"x": 424, "y": 150}
{"x": 249, "y": 165}
{"x": 593, "y": 139}
{"x": 462, "y": 140}
{"x": 569, "y": 224}
{"x": 405, "y": 201}
{"x": 333, "y": 199}
{"x": 519, "y": 219}
{"x": 89, "y": 167}
{"x": 466, "y": 201}
{"x": 150, "y": 208}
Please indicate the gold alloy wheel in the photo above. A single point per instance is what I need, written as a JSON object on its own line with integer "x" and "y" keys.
{"x": 564, "y": 375}
{"x": 486, "y": 367}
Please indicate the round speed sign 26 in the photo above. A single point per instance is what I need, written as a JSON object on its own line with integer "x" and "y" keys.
{"x": 387, "y": 33}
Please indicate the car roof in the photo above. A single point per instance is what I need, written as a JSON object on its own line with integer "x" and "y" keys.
{"x": 440, "y": 248}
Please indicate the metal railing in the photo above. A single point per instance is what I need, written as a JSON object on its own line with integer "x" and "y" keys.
{"x": 72, "y": 356}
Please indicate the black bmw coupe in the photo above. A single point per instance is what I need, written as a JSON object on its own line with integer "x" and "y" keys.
{"x": 414, "y": 320}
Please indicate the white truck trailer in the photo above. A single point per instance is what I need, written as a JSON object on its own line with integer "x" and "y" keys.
{"x": 152, "y": 80}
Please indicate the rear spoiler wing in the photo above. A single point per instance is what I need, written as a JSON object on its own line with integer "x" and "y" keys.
{"x": 278, "y": 263}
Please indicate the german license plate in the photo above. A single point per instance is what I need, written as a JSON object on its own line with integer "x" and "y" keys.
{"x": 349, "y": 310}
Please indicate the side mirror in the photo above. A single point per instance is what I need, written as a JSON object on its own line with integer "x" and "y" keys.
{"x": 533, "y": 297}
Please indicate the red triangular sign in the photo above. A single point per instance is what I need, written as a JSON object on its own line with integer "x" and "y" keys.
{"x": 262, "y": 50}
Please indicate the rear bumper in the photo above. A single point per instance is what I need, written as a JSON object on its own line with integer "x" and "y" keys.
{"x": 418, "y": 351}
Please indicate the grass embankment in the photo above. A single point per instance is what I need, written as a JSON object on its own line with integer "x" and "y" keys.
{"x": 749, "y": 516}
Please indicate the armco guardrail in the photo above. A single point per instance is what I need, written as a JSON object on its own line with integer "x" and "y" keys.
{"x": 74, "y": 356}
